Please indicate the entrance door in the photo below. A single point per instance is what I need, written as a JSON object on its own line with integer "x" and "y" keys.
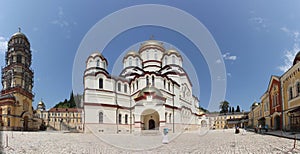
{"x": 25, "y": 125}
{"x": 277, "y": 123}
{"x": 151, "y": 124}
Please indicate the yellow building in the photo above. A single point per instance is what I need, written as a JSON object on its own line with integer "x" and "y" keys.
{"x": 265, "y": 119}
{"x": 16, "y": 112}
{"x": 229, "y": 120}
{"x": 64, "y": 118}
{"x": 290, "y": 82}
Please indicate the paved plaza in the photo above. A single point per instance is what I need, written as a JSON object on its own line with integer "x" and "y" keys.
{"x": 214, "y": 141}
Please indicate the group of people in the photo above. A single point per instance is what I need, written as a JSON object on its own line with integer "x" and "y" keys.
{"x": 259, "y": 128}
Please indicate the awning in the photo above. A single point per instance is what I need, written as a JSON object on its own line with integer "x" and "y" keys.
{"x": 294, "y": 109}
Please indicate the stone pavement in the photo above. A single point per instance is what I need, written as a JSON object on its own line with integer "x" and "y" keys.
{"x": 213, "y": 141}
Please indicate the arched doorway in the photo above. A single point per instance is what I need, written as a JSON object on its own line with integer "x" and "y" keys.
{"x": 25, "y": 124}
{"x": 150, "y": 120}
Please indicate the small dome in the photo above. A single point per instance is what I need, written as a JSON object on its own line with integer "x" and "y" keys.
{"x": 173, "y": 51}
{"x": 41, "y": 103}
{"x": 255, "y": 104}
{"x": 297, "y": 58}
{"x": 152, "y": 43}
{"x": 131, "y": 53}
{"x": 150, "y": 90}
{"x": 18, "y": 34}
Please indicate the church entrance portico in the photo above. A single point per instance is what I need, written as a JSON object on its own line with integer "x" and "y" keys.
{"x": 150, "y": 120}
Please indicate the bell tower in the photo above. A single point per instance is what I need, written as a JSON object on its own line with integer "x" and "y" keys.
{"x": 17, "y": 82}
{"x": 17, "y": 74}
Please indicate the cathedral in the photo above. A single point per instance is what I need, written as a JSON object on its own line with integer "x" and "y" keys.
{"x": 152, "y": 92}
{"x": 16, "y": 111}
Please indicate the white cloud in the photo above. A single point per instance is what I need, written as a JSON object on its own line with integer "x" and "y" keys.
{"x": 227, "y": 56}
{"x": 289, "y": 56}
{"x": 60, "y": 21}
{"x": 292, "y": 33}
{"x": 229, "y": 75}
{"x": 3, "y": 44}
{"x": 258, "y": 22}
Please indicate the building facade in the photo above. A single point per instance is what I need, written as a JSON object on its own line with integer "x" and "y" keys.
{"x": 16, "y": 111}
{"x": 152, "y": 92}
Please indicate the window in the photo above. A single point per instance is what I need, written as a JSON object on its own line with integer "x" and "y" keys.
{"x": 173, "y": 59}
{"x": 98, "y": 63}
{"x": 119, "y": 86}
{"x": 147, "y": 80}
{"x": 298, "y": 88}
{"x": 19, "y": 59}
{"x": 165, "y": 83}
{"x": 100, "y": 83}
{"x": 120, "y": 118}
{"x": 153, "y": 81}
{"x": 166, "y": 114}
{"x": 125, "y": 88}
{"x": 291, "y": 93}
{"x": 8, "y": 111}
{"x": 126, "y": 119}
{"x": 137, "y": 84}
{"x": 8, "y": 122}
{"x": 137, "y": 62}
{"x": 130, "y": 61}
{"x": 170, "y": 118}
{"x": 147, "y": 55}
{"x": 166, "y": 61}
{"x": 100, "y": 117}
{"x": 169, "y": 85}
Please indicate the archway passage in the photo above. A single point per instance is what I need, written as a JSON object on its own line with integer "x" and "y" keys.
{"x": 151, "y": 124}
{"x": 203, "y": 123}
{"x": 150, "y": 120}
{"x": 25, "y": 125}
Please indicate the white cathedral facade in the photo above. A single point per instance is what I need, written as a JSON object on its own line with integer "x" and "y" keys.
{"x": 152, "y": 92}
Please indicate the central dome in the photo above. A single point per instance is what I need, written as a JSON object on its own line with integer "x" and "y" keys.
{"x": 152, "y": 44}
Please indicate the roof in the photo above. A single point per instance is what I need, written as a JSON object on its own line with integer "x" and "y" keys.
{"x": 65, "y": 110}
{"x": 150, "y": 90}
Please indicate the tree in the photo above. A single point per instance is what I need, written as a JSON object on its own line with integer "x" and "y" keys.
{"x": 238, "y": 109}
{"x": 224, "y": 105}
{"x": 232, "y": 110}
{"x": 229, "y": 109}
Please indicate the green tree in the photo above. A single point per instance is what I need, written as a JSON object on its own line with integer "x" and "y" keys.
{"x": 224, "y": 105}
{"x": 238, "y": 109}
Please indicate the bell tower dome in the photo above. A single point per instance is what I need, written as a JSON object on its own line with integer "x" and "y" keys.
{"x": 17, "y": 74}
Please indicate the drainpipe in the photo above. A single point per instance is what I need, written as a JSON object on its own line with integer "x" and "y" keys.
{"x": 117, "y": 116}
{"x": 173, "y": 110}
{"x": 130, "y": 109}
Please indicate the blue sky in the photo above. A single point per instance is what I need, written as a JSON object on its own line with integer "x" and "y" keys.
{"x": 257, "y": 39}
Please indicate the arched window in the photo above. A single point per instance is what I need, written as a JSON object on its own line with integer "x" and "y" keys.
{"x": 100, "y": 83}
{"x": 153, "y": 81}
{"x": 170, "y": 118}
{"x": 298, "y": 88}
{"x": 130, "y": 61}
{"x": 98, "y": 63}
{"x": 126, "y": 119}
{"x": 120, "y": 118}
{"x": 119, "y": 86}
{"x": 137, "y": 84}
{"x": 166, "y": 61}
{"x": 8, "y": 122}
{"x": 147, "y": 80}
{"x": 173, "y": 59}
{"x": 166, "y": 116}
{"x": 165, "y": 83}
{"x": 8, "y": 111}
{"x": 137, "y": 62}
{"x": 291, "y": 93}
{"x": 100, "y": 117}
{"x": 19, "y": 59}
{"x": 125, "y": 88}
{"x": 169, "y": 86}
